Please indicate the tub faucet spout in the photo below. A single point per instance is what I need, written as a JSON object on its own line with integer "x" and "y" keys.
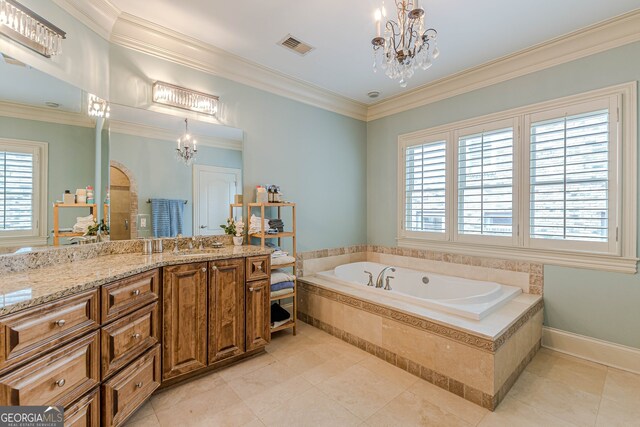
{"x": 381, "y": 276}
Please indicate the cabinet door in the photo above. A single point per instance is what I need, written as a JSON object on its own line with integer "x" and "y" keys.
{"x": 85, "y": 412}
{"x": 226, "y": 309}
{"x": 258, "y": 314}
{"x": 184, "y": 329}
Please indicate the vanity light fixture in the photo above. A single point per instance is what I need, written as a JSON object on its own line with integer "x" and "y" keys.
{"x": 405, "y": 45}
{"x": 29, "y": 29}
{"x": 187, "y": 99}
{"x": 98, "y": 107}
{"x": 187, "y": 146}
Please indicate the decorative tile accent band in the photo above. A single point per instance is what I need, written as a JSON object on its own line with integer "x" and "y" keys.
{"x": 466, "y": 392}
{"x": 535, "y": 270}
{"x": 445, "y": 331}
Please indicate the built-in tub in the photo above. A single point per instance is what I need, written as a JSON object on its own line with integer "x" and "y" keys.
{"x": 473, "y": 299}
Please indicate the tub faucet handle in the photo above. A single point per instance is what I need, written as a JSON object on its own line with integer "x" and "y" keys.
{"x": 370, "y": 278}
{"x": 387, "y": 286}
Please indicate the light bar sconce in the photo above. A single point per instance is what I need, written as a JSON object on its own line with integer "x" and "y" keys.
{"x": 26, "y": 27}
{"x": 186, "y": 99}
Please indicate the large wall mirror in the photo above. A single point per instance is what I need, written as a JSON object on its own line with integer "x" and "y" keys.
{"x": 49, "y": 144}
{"x": 153, "y": 193}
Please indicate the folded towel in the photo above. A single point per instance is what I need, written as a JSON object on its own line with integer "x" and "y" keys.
{"x": 278, "y": 314}
{"x": 281, "y": 292}
{"x": 282, "y": 285}
{"x": 278, "y": 276}
{"x": 279, "y": 260}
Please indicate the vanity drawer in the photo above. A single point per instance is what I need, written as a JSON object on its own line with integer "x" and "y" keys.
{"x": 56, "y": 379}
{"x": 127, "y": 295}
{"x": 129, "y": 389}
{"x": 257, "y": 267}
{"x": 85, "y": 412}
{"x": 35, "y": 330}
{"x": 129, "y": 337}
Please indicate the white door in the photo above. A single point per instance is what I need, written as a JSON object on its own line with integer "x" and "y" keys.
{"x": 213, "y": 191}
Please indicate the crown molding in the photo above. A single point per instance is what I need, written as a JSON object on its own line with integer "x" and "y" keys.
{"x": 135, "y": 33}
{"x": 41, "y": 114}
{"x": 136, "y": 129}
{"x": 98, "y": 15}
{"x": 588, "y": 41}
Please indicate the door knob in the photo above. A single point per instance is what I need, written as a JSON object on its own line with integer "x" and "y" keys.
{"x": 203, "y": 226}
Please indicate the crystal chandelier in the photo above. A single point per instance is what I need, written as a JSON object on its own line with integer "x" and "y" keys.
{"x": 29, "y": 29}
{"x": 187, "y": 146}
{"x": 405, "y": 45}
{"x": 98, "y": 107}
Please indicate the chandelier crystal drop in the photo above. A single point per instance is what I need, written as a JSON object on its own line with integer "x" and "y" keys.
{"x": 405, "y": 45}
{"x": 187, "y": 146}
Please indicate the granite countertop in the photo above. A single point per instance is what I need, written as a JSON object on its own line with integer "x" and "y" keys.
{"x": 40, "y": 285}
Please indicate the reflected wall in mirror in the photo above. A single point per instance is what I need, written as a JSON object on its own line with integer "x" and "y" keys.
{"x": 48, "y": 144}
{"x": 145, "y": 166}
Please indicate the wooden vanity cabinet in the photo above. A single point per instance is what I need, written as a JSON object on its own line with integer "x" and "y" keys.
{"x": 258, "y": 314}
{"x": 226, "y": 309}
{"x": 184, "y": 329}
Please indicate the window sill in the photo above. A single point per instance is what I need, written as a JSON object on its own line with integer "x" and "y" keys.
{"x": 601, "y": 262}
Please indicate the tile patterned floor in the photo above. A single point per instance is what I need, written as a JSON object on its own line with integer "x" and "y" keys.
{"x": 314, "y": 379}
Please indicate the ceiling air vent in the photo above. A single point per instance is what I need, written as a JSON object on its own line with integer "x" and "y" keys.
{"x": 295, "y": 45}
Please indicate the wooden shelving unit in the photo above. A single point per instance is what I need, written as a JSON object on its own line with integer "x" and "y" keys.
{"x": 56, "y": 220}
{"x": 264, "y": 236}
{"x": 233, "y": 206}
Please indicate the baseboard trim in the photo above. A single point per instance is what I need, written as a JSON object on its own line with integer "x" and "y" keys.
{"x": 604, "y": 352}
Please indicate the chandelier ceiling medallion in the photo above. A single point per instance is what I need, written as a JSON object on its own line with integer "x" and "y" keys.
{"x": 405, "y": 44}
{"x": 187, "y": 146}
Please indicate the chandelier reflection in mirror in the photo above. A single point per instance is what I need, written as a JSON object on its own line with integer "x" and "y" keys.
{"x": 405, "y": 45}
{"x": 24, "y": 26}
{"x": 98, "y": 107}
{"x": 187, "y": 146}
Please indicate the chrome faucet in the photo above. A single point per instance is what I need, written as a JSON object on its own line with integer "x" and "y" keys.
{"x": 381, "y": 276}
{"x": 370, "y": 283}
{"x": 387, "y": 286}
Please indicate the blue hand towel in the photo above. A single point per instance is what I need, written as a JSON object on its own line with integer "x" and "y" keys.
{"x": 167, "y": 217}
{"x": 282, "y": 285}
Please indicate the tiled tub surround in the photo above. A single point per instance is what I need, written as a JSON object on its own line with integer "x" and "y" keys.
{"x": 477, "y": 360}
{"x": 29, "y": 287}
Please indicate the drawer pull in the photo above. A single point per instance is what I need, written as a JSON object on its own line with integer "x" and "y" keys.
{"x": 214, "y": 268}
{"x": 204, "y": 269}
{"x": 260, "y": 267}
{"x": 139, "y": 385}
{"x": 135, "y": 336}
{"x": 61, "y": 382}
{"x": 60, "y": 322}
{"x": 252, "y": 289}
{"x": 135, "y": 292}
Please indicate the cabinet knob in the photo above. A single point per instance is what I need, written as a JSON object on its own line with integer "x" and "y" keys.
{"x": 204, "y": 269}
{"x": 260, "y": 267}
{"x": 135, "y": 292}
{"x": 60, "y": 322}
{"x": 214, "y": 268}
{"x": 252, "y": 289}
{"x": 60, "y": 382}
{"x": 135, "y": 336}
{"x": 139, "y": 385}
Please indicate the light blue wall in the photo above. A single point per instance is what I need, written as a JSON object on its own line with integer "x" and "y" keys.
{"x": 595, "y": 304}
{"x": 71, "y": 158}
{"x": 316, "y": 156}
{"x": 158, "y": 173}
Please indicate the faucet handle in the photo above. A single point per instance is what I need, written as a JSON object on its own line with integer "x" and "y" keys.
{"x": 370, "y": 278}
{"x": 387, "y": 286}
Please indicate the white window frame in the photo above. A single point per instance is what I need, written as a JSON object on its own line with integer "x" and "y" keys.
{"x": 514, "y": 123}
{"x": 38, "y": 235}
{"x": 621, "y": 256}
{"x": 423, "y": 139}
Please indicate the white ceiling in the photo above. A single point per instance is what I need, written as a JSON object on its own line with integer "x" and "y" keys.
{"x": 470, "y": 33}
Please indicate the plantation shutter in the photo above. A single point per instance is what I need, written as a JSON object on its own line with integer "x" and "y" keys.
{"x": 16, "y": 191}
{"x": 485, "y": 183}
{"x": 570, "y": 177}
{"x": 425, "y": 187}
